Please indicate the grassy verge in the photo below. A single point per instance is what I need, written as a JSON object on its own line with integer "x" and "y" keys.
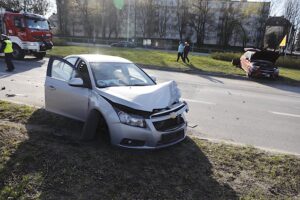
{"x": 218, "y": 63}
{"x": 153, "y": 58}
{"x": 41, "y": 159}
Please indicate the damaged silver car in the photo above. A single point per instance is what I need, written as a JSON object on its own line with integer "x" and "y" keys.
{"x": 112, "y": 95}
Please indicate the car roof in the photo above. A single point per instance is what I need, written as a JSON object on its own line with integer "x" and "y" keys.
{"x": 100, "y": 58}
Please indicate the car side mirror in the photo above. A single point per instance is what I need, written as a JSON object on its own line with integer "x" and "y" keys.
{"x": 76, "y": 82}
{"x": 153, "y": 78}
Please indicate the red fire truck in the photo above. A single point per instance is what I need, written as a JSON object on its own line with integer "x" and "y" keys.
{"x": 29, "y": 33}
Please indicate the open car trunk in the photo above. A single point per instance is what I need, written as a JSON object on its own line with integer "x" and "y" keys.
{"x": 270, "y": 56}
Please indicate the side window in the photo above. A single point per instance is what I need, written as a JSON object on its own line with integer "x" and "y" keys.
{"x": 18, "y": 22}
{"x": 72, "y": 60}
{"x": 61, "y": 70}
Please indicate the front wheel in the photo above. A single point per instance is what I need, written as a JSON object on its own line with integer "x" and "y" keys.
{"x": 40, "y": 55}
{"x": 18, "y": 53}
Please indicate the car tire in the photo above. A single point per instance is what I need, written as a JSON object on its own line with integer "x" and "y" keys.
{"x": 95, "y": 124}
{"x": 90, "y": 126}
{"x": 18, "y": 53}
{"x": 39, "y": 55}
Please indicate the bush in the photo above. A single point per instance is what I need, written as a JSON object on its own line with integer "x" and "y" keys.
{"x": 288, "y": 62}
{"x": 59, "y": 42}
{"x": 225, "y": 56}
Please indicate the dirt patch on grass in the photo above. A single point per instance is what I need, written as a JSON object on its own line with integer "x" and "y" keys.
{"x": 41, "y": 158}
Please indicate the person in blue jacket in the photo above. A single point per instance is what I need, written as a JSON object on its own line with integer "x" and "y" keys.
{"x": 180, "y": 52}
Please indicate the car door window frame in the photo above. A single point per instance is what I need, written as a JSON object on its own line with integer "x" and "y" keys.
{"x": 63, "y": 61}
{"x": 86, "y": 79}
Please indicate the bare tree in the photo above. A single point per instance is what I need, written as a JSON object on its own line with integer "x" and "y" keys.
{"x": 114, "y": 18}
{"x": 228, "y": 20}
{"x": 63, "y": 16}
{"x": 162, "y": 21}
{"x": 38, "y": 6}
{"x": 182, "y": 17}
{"x": 292, "y": 13}
{"x": 87, "y": 12}
{"x": 200, "y": 16}
{"x": 152, "y": 19}
{"x": 16, "y": 5}
{"x": 263, "y": 13}
{"x": 146, "y": 15}
{"x": 141, "y": 9}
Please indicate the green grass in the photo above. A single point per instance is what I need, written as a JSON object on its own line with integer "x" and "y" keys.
{"x": 153, "y": 58}
{"x": 42, "y": 159}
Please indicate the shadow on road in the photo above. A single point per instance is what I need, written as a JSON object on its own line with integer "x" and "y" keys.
{"x": 27, "y": 64}
{"x": 210, "y": 78}
{"x": 50, "y": 163}
{"x": 280, "y": 84}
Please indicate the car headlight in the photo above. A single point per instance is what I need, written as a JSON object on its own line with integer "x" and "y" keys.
{"x": 131, "y": 120}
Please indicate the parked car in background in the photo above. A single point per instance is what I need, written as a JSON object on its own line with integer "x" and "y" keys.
{"x": 124, "y": 44}
{"x": 258, "y": 63}
{"x": 117, "y": 97}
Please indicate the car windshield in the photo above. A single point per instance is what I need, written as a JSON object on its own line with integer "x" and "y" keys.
{"x": 37, "y": 24}
{"x": 119, "y": 74}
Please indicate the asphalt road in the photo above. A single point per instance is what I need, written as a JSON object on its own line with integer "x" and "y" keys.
{"x": 264, "y": 114}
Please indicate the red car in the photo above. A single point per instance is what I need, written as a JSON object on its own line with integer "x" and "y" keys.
{"x": 258, "y": 63}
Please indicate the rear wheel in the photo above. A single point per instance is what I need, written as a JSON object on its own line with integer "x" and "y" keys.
{"x": 18, "y": 53}
{"x": 39, "y": 55}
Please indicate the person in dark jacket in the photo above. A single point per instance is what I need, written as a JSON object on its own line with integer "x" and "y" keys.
{"x": 186, "y": 51}
{"x": 7, "y": 49}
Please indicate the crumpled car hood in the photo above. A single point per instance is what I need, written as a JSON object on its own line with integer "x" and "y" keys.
{"x": 144, "y": 98}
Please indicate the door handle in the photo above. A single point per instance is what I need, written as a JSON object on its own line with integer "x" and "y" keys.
{"x": 51, "y": 87}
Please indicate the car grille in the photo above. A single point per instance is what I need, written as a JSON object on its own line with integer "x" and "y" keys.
{"x": 169, "y": 124}
{"x": 266, "y": 70}
{"x": 171, "y": 137}
{"x": 164, "y": 112}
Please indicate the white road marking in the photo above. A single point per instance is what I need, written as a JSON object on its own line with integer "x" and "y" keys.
{"x": 197, "y": 101}
{"x": 284, "y": 114}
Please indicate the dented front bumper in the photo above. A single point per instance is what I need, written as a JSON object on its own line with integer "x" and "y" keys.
{"x": 163, "y": 129}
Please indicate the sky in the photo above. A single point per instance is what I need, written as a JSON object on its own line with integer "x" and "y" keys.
{"x": 52, "y": 8}
{"x": 278, "y": 10}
